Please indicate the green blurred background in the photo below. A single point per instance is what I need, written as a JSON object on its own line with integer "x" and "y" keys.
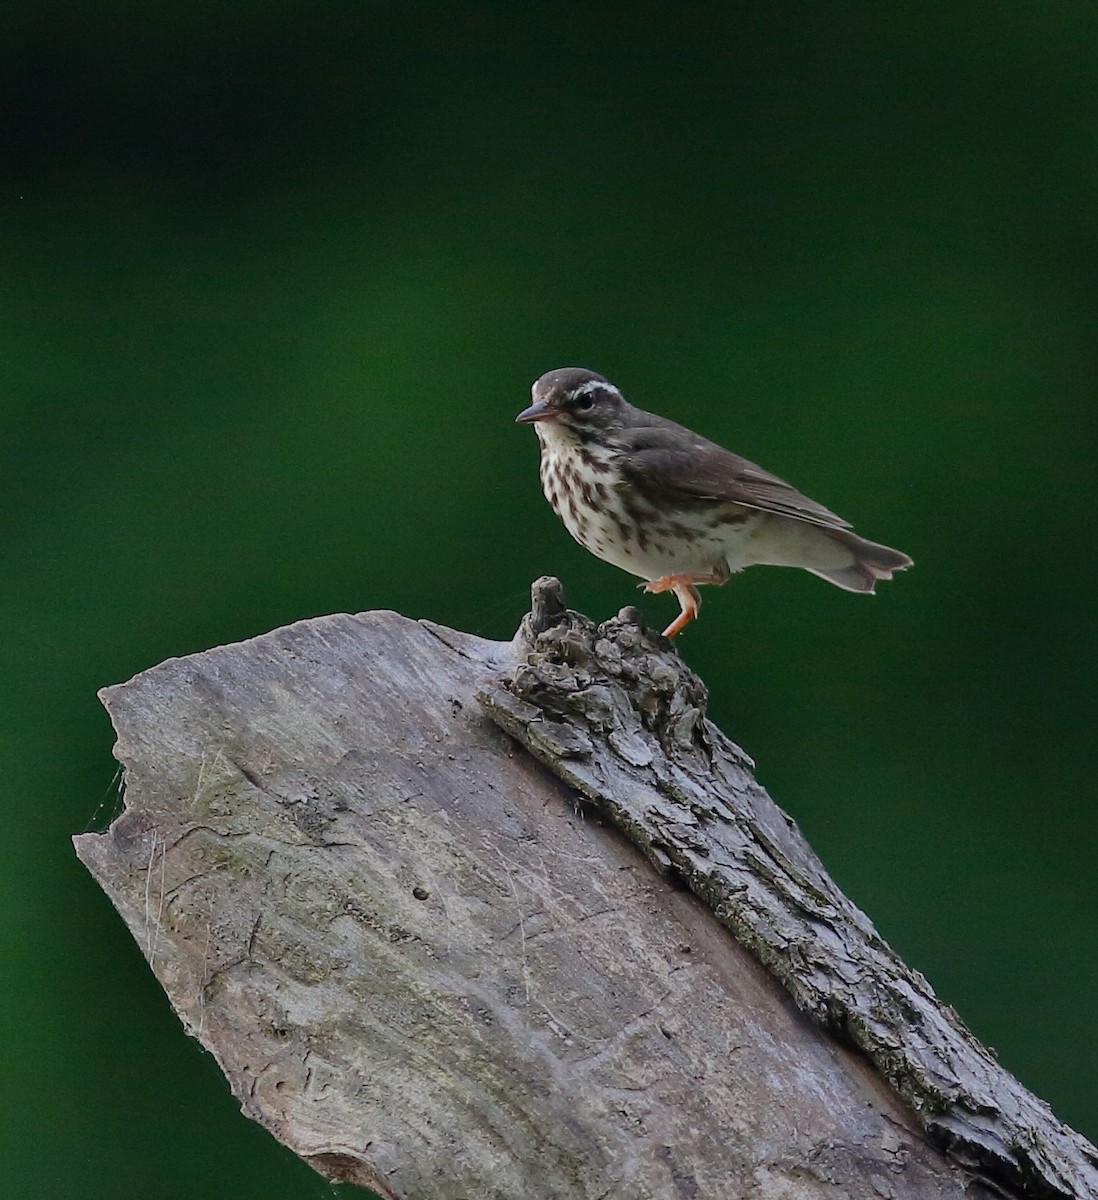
{"x": 275, "y": 280}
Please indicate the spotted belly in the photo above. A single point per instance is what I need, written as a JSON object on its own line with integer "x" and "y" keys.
{"x": 623, "y": 528}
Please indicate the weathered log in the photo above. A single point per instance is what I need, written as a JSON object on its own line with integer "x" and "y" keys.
{"x": 429, "y": 966}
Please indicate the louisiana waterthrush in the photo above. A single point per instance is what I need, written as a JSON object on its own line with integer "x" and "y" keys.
{"x": 674, "y": 509}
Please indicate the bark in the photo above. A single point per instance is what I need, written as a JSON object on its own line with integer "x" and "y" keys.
{"x": 430, "y": 965}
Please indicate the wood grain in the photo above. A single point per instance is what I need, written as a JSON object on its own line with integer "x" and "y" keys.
{"x": 430, "y": 965}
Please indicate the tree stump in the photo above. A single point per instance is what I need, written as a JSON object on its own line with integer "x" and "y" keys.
{"x": 460, "y": 918}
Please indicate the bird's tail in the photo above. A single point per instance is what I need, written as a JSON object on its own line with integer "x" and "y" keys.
{"x": 869, "y": 561}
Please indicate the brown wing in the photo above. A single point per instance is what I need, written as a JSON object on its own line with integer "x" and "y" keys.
{"x": 659, "y": 459}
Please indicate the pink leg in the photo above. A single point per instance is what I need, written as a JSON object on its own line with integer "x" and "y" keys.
{"x": 687, "y": 593}
{"x": 690, "y": 602}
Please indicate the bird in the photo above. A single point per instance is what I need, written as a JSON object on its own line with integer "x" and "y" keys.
{"x": 675, "y": 509}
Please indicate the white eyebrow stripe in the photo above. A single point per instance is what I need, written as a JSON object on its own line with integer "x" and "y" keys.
{"x": 596, "y": 385}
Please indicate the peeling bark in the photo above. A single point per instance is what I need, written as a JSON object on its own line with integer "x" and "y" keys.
{"x": 430, "y": 966}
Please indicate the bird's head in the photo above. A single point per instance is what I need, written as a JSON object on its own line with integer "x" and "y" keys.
{"x": 577, "y": 399}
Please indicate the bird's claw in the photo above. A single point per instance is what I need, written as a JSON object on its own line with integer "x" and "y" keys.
{"x": 665, "y": 583}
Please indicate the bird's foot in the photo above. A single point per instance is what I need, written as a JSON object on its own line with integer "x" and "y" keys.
{"x": 668, "y": 583}
{"x": 688, "y": 595}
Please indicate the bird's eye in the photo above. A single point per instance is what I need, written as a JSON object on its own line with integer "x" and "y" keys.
{"x": 585, "y": 403}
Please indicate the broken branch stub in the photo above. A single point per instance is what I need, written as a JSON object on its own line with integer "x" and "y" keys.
{"x": 615, "y": 712}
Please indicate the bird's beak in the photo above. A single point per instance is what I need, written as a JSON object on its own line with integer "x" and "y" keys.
{"x": 538, "y": 411}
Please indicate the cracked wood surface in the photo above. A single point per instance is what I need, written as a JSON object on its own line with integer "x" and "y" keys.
{"x": 429, "y": 967}
{"x": 614, "y": 711}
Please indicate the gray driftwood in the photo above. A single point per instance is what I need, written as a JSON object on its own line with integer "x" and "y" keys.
{"x": 427, "y": 965}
